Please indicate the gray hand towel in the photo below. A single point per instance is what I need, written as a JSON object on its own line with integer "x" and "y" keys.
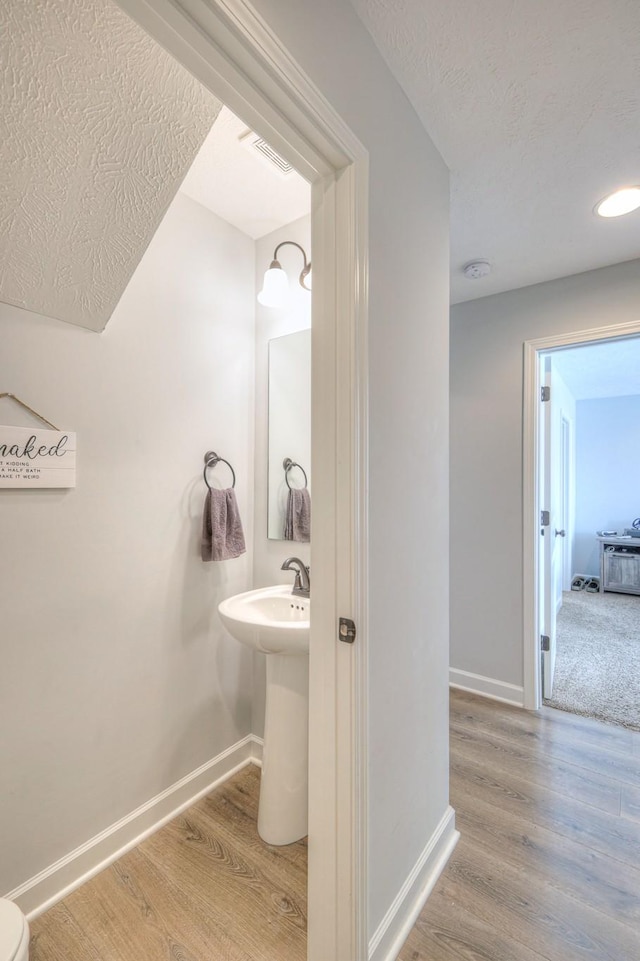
{"x": 297, "y": 523}
{"x": 222, "y": 535}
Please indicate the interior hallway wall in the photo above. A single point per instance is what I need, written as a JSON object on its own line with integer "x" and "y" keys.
{"x": 296, "y": 315}
{"x": 117, "y": 678}
{"x": 487, "y": 338}
{"x": 608, "y": 468}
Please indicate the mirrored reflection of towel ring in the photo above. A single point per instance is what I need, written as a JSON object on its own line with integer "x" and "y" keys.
{"x": 288, "y": 464}
{"x": 210, "y": 460}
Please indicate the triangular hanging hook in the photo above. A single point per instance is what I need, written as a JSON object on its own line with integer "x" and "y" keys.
{"x": 30, "y": 409}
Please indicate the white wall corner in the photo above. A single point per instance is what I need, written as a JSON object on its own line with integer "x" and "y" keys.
{"x": 394, "y": 928}
{"x": 71, "y": 871}
{"x": 487, "y": 687}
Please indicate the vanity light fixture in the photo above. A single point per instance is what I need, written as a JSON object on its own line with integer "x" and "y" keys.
{"x": 276, "y": 285}
{"x": 620, "y": 202}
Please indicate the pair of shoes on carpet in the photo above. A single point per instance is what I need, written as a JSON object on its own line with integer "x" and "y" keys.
{"x": 590, "y": 584}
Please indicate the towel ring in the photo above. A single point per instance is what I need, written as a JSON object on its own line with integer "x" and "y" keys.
{"x": 210, "y": 460}
{"x": 287, "y": 463}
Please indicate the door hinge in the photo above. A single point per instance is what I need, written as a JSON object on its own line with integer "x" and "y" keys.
{"x": 346, "y": 630}
{"x": 545, "y": 643}
{"x": 545, "y": 393}
{"x": 545, "y": 518}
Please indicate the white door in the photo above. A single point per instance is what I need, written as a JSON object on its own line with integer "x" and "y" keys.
{"x": 550, "y": 501}
{"x": 565, "y": 495}
{"x": 557, "y": 500}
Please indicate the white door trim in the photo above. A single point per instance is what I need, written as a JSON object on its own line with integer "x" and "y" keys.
{"x": 531, "y": 505}
{"x": 232, "y": 51}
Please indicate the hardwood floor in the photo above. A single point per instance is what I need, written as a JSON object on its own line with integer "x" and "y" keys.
{"x": 547, "y": 868}
{"x": 548, "y": 864}
{"x": 204, "y": 888}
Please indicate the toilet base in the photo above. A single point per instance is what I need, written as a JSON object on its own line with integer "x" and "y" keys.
{"x": 14, "y": 932}
{"x": 22, "y": 954}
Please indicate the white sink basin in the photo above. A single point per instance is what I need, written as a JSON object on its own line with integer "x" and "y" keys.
{"x": 270, "y": 620}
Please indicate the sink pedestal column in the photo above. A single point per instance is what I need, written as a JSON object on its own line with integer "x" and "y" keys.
{"x": 282, "y": 811}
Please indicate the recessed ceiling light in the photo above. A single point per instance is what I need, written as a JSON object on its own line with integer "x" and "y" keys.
{"x": 619, "y": 203}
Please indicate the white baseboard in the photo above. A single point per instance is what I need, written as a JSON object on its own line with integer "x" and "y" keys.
{"x": 394, "y": 928}
{"x": 51, "y": 885}
{"x": 487, "y": 687}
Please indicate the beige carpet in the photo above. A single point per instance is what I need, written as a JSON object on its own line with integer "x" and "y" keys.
{"x": 598, "y": 657}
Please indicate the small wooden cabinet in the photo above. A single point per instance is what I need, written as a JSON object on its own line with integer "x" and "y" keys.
{"x": 620, "y": 564}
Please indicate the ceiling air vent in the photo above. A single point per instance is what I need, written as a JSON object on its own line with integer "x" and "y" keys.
{"x": 265, "y": 151}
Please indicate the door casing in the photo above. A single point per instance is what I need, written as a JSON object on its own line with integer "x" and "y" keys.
{"x": 548, "y": 546}
{"x": 232, "y": 51}
{"x": 531, "y": 494}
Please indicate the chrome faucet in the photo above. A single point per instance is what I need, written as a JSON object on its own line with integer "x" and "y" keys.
{"x": 302, "y": 583}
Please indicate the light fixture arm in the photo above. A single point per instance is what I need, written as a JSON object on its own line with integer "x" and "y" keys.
{"x": 306, "y": 270}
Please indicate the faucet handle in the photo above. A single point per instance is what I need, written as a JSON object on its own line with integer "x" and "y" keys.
{"x": 301, "y": 585}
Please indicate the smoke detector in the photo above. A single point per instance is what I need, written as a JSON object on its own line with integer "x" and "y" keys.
{"x": 260, "y": 148}
{"x": 476, "y": 269}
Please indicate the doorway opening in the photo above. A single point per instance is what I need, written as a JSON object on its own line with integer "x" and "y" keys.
{"x": 582, "y": 553}
{"x": 238, "y": 58}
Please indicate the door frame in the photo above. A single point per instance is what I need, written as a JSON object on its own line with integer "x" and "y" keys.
{"x": 228, "y": 47}
{"x": 530, "y": 489}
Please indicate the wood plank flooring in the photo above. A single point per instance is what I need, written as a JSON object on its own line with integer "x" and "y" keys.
{"x": 548, "y": 864}
{"x": 547, "y": 868}
{"x": 203, "y": 888}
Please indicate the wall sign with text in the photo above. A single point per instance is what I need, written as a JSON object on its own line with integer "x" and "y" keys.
{"x": 37, "y": 458}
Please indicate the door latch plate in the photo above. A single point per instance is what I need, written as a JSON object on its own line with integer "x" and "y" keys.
{"x": 346, "y": 630}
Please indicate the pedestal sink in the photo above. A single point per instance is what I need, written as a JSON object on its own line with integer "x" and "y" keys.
{"x": 274, "y": 621}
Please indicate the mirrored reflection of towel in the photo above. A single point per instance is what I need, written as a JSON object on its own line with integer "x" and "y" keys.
{"x": 297, "y": 522}
{"x": 222, "y": 534}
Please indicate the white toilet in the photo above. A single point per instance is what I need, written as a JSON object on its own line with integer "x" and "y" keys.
{"x": 14, "y": 932}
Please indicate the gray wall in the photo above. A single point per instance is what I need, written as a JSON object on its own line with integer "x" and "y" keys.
{"x": 487, "y": 338}
{"x": 607, "y": 472}
{"x": 409, "y": 304}
{"x": 117, "y": 677}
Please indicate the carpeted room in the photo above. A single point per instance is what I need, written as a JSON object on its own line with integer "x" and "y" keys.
{"x": 597, "y": 670}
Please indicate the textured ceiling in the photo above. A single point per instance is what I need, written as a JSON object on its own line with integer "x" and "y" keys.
{"x": 98, "y": 126}
{"x": 609, "y": 369}
{"x": 237, "y": 184}
{"x": 535, "y": 107}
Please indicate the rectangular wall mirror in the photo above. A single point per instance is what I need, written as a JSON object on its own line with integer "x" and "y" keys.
{"x": 289, "y": 424}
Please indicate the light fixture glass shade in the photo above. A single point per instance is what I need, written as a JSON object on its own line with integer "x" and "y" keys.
{"x": 621, "y": 202}
{"x": 275, "y": 287}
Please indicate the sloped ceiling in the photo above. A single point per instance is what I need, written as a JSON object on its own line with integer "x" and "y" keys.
{"x": 98, "y": 127}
